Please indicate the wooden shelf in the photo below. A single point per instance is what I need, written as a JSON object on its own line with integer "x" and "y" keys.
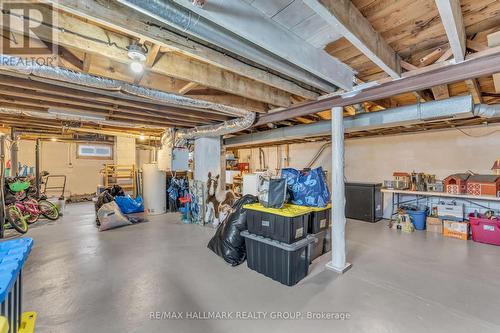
{"x": 113, "y": 173}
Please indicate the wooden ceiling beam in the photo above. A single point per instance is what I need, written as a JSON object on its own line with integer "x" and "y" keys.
{"x": 494, "y": 40}
{"x": 451, "y": 17}
{"x": 70, "y": 92}
{"x": 83, "y": 103}
{"x": 345, "y": 18}
{"x": 21, "y": 103}
{"x": 86, "y": 37}
{"x": 475, "y": 91}
{"x": 189, "y": 86}
{"x": 120, "y": 18}
{"x": 477, "y": 65}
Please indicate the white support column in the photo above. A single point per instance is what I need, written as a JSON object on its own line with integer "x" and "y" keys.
{"x": 338, "y": 263}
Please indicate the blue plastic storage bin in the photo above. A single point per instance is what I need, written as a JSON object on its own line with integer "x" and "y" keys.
{"x": 418, "y": 218}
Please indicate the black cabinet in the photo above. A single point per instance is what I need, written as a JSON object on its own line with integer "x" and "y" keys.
{"x": 364, "y": 201}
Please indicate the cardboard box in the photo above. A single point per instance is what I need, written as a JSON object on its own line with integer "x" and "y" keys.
{"x": 434, "y": 224}
{"x": 454, "y": 229}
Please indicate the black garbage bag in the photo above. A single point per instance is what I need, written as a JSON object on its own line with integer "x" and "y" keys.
{"x": 227, "y": 242}
{"x": 103, "y": 198}
{"x": 116, "y": 191}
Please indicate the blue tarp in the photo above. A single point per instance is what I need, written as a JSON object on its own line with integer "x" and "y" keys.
{"x": 128, "y": 205}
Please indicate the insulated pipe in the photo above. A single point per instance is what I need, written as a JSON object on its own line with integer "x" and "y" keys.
{"x": 187, "y": 22}
{"x": 338, "y": 263}
{"x": 460, "y": 107}
{"x": 32, "y": 70}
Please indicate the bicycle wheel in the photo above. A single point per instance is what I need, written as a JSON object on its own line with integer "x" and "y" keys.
{"x": 32, "y": 218}
{"x": 48, "y": 209}
{"x": 17, "y": 220}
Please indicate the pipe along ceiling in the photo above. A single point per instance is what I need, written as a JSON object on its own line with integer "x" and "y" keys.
{"x": 460, "y": 107}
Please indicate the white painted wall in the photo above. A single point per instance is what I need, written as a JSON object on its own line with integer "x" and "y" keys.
{"x": 59, "y": 158}
{"x": 375, "y": 159}
{"x": 125, "y": 150}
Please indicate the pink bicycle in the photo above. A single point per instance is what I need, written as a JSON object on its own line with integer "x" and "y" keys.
{"x": 30, "y": 207}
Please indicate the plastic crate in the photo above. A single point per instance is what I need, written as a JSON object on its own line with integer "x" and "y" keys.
{"x": 13, "y": 255}
{"x": 285, "y": 263}
{"x": 317, "y": 246}
{"x": 287, "y": 225}
{"x": 485, "y": 230}
{"x": 319, "y": 220}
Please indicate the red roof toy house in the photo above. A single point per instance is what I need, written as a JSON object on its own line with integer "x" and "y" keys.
{"x": 496, "y": 167}
{"x": 457, "y": 183}
{"x": 484, "y": 185}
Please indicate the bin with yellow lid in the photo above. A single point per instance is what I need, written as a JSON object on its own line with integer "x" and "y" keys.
{"x": 319, "y": 219}
{"x": 288, "y": 224}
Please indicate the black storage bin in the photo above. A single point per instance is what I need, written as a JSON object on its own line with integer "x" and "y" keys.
{"x": 277, "y": 227}
{"x": 319, "y": 220}
{"x": 327, "y": 243}
{"x": 364, "y": 201}
{"x": 316, "y": 247}
{"x": 285, "y": 263}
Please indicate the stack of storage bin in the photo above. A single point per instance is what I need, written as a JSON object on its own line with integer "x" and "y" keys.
{"x": 13, "y": 255}
{"x": 278, "y": 243}
{"x": 318, "y": 228}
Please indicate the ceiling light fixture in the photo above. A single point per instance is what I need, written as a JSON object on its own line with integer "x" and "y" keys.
{"x": 137, "y": 54}
{"x": 142, "y": 137}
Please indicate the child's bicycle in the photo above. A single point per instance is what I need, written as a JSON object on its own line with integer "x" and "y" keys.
{"x": 14, "y": 217}
{"x": 27, "y": 206}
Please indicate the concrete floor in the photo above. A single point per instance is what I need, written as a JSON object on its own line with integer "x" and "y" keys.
{"x": 81, "y": 280}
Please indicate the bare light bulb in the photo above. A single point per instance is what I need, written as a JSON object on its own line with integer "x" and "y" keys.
{"x": 136, "y": 67}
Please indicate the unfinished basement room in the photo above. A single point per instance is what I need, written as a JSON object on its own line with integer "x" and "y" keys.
{"x": 214, "y": 166}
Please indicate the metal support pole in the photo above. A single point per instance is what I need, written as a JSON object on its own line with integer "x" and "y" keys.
{"x": 13, "y": 153}
{"x": 338, "y": 263}
{"x": 37, "y": 167}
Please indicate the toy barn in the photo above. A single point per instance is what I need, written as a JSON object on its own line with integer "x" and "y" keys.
{"x": 456, "y": 183}
{"x": 484, "y": 185}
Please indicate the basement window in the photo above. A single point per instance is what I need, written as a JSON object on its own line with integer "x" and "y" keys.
{"x": 94, "y": 151}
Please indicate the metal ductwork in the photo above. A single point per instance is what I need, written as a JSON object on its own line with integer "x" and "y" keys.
{"x": 461, "y": 107}
{"x": 187, "y": 22}
{"x": 120, "y": 89}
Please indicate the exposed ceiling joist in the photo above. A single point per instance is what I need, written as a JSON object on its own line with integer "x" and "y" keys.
{"x": 189, "y": 86}
{"x": 474, "y": 90}
{"x": 119, "y": 18}
{"x": 451, "y": 17}
{"x": 345, "y": 18}
{"x": 88, "y": 38}
{"x": 238, "y": 27}
{"x": 69, "y": 93}
{"x": 494, "y": 41}
{"x": 476, "y": 65}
